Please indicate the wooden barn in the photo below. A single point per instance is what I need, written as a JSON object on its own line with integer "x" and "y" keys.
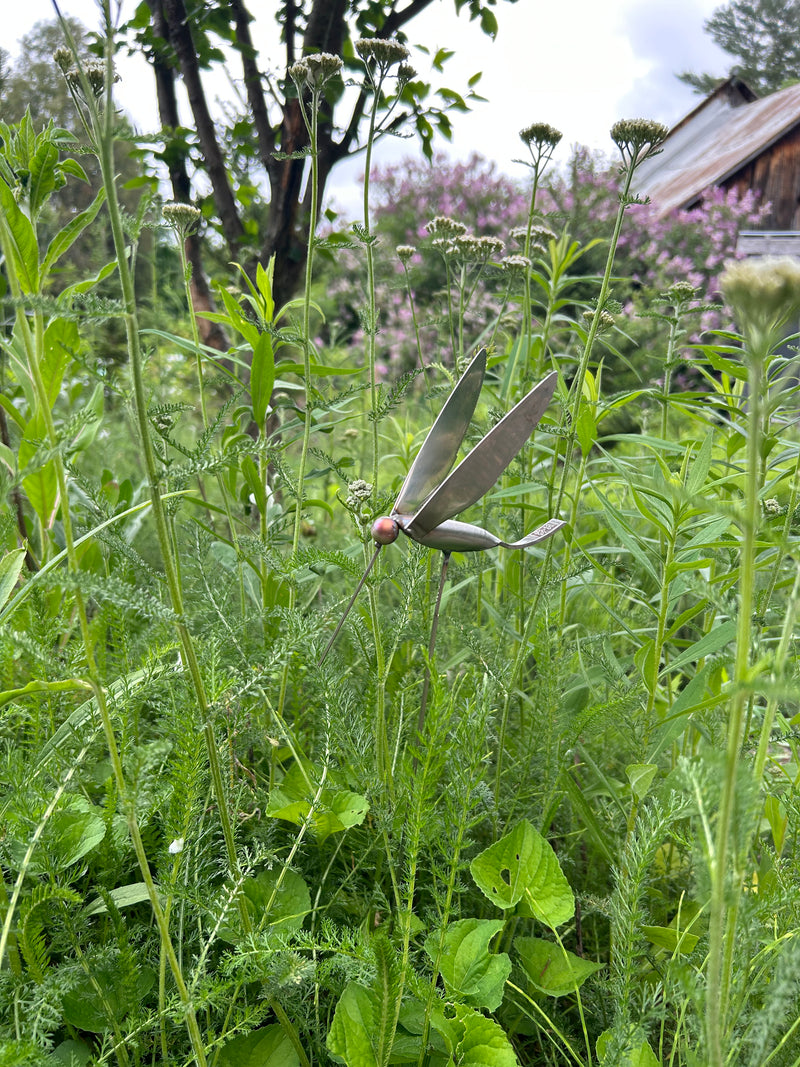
{"x": 735, "y": 140}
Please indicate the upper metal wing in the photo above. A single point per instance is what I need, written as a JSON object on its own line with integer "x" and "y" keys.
{"x": 481, "y": 468}
{"x": 440, "y": 447}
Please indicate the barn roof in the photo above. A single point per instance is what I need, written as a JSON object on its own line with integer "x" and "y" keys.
{"x": 714, "y": 141}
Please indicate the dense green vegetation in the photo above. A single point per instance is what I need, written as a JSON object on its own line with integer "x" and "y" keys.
{"x": 214, "y": 850}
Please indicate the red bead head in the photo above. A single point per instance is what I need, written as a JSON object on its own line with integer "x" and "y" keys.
{"x": 385, "y": 530}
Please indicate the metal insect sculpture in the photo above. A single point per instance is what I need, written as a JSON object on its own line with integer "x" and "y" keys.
{"x": 431, "y": 495}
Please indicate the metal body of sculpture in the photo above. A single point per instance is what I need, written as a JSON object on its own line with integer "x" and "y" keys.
{"x": 431, "y": 495}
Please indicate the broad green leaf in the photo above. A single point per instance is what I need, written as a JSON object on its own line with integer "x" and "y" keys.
{"x": 70, "y": 1054}
{"x": 22, "y": 248}
{"x": 42, "y": 179}
{"x": 350, "y": 1035}
{"x": 671, "y": 939}
{"x": 523, "y": 864}
{"x": 482, "y": 1042}
{"x": 66, "y": 295}
{"x": 74, "y": 832}
{"x": 124, "y": 896}
{"x": 10, "y": 567}
{"x": 641, "y": 776}
{"x": 277, "y": 908}
{"x": 100, "y": 1002}
{"x": 61, "y": 342}
{"x": 470, "y": 972}
{"x": 701, "y": 465}
{"x": 715, "y": 640}
{"x": 262, "y": 377}
{"x": 41, "y": 484}
{"x": 67, "y": 236}
{"x": 267, "y": 1047}
{"x": 586, "y": 429}
{"x": 551, "y": 968}
{"x": 334, "y": 811}
{"x": 637, "y": 1055}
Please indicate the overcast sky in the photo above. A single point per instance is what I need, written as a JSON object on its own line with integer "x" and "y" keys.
{"x": 578, "y": 64}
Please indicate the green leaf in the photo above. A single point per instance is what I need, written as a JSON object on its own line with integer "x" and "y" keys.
{"x": 67, "y": 236}
{"x": 716, "y": 639}
{"x": 41, "y": 484}
{"x": 551, "y": 968}
{"x": 586, "y": 429}
{"x": 470, "y": 972}
{"x": 10, "y": 567}
{"x": 61, "y": 342}
{"x": 43, "y": 175}
{"x": 99, "y": 1002}
{"x": 641, "y": 776}
{"x": 22, "y": 249}
{"x": 637, "y": 1055}
{"x": 262, "y": 377}
{"x": 268, "y": 1047}
{"x": 278, "y": 901}
{"x": 66, "y": 295}
{"x": 124, "y": 896}
{"x": 523, "y": 864}
{"x": 671, "y": 939}
{"x": 701, "y": 466}
{"x": 70, "y": 1054}
{"x": 482, "y": 1042}
{"x": 353, "y": 1024}
{"x": 334, "y": 811}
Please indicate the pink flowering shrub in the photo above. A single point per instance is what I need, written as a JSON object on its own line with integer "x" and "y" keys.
{"x": 582, "y": 200}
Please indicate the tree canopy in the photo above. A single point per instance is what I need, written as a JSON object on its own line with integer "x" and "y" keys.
{"x": 255, "y": 161}
{"x": 762, "y": 36}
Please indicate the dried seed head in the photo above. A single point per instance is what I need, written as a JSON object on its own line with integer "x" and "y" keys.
{"x": 385, "y": 51}
{"x": 638, "y": 139}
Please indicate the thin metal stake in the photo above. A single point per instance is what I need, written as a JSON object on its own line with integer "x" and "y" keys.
{"x": 431, "y": 645}
{"x": 340, "y": 624}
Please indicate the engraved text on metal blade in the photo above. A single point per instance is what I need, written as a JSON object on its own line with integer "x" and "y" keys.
{"x": 440, "y": 447}
{"x": 479, "y": 470}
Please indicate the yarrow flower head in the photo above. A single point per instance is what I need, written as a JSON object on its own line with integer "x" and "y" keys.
{"x": 183, "y": 218}
{"x": 638, "y": 139}
{"x": 541, "y": 135}
{"x": 605, "y": 322}
{"x": 405, "y": 252}
{"x": 443, "y": 226}
{"x": 479, "y": 249}
{"x": 680, "y": 292}
{"x": 385, "y": 51}
{"x": 315, "y": 70}
{"x": 357, "y": 492}
{"x": 515, "y": 265}
{"x": 763, "y": 292}
{"x": 94, "y": 73}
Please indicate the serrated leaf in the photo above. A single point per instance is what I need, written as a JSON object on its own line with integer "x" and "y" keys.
{"x": 470, "y": 972}
{"x": 350, "y": 1034}
{"x": 522, "y": 864}
{"x": 483, "y": 1043}
{"x": 268, "y": 1047}
{"x": 552, "y": 969}
{"x": 23, "y": 250}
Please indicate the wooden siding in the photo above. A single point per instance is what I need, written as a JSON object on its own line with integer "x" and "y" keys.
{"x": 775, "y": 174}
